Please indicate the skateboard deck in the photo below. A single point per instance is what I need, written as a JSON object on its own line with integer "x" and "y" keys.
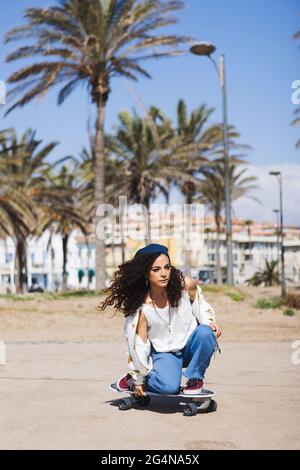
{"x": 203, "y": 394}
{"x": 202, "y": 402}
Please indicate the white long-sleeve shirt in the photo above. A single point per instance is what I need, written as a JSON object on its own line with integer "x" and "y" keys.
{"x": 171, "y": 337}
{"x": 139, "y": 353}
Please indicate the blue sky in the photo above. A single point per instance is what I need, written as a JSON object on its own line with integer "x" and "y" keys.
{"x": 262, "y": 61}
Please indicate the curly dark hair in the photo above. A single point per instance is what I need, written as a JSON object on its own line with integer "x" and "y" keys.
{"x": 128, "y": 289}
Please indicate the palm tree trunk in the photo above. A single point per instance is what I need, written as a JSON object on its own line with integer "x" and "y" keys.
{"x": 148, "y": 229}
{"x": 52, "y": 268}
{"x": 17, "y": 271}
{"x": 122, "y": 239}
{"x": 250, "y": 248}
{"x": 65, "y": 259}
{"x": 100, "y": 193}
{"x": 20, "y": 260}
{"x": 25, "y": 261}
{"x": 218, "y": 259}
{"x": 113, "y": 252}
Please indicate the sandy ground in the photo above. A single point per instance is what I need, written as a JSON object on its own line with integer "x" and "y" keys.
{"x": 61, "y": 356}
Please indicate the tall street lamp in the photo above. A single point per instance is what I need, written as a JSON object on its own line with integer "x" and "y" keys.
{"x": 277, "y": 211}
{"x": 283, "y": 284}
{"x": 206, "y": 49}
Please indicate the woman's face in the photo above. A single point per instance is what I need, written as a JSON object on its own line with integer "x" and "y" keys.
{"x": 160, "y": 271}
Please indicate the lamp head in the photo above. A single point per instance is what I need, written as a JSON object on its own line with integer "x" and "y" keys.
{"x": 203, "y": 48}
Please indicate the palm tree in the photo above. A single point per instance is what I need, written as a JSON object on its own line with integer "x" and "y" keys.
{"x": 296, "y": 120}
{"x": 114, "y": 187}
{"x": 90, "y": 42}
{"x": 62, "y": 209}
{"x": 249, "y": 224}
{"x": 16, "y": 221}
{"x": 269, "y": 276}
{"x": 22, "y": 171}
{"x": 211, "y": 191}
{"x": 146, "y": 170}
{"x": 193, "y": 142}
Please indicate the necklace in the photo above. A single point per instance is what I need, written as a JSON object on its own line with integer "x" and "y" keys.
{"x": 168, "y": 324}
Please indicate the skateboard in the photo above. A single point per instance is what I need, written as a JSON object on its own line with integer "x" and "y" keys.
{"x": 201, "y": 402}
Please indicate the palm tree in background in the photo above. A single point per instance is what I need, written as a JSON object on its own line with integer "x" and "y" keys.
{"x": 90, "y": 42}
{"x": 249, "y": 224}
{"x": 269, "y": 276}
{"x": 211, "y": 191}
{"x": 193, "y": 143}
{"x": 22, "y": 172}
{"x": 62, "y": 205}
{"x": 296, "y": 120}
{"x": 115, "y": 177}
{"x": 145, "y": 157}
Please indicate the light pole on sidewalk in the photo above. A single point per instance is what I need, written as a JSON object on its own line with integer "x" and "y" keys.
{"x": 283, "y": 284}
{"x": 277, "y": 211}
{"x": 206, "y": 49}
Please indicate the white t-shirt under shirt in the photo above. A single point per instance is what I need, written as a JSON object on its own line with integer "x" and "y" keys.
{"x": 173, "y": 337}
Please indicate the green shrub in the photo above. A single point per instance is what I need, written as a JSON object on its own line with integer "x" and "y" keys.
{"x": 49, "y": 295}
{"x": 290, "y": 312}
{"x": 69, "y": 294}
{"x": 17, "y": 297}
{"x": 236, "y": 296}
{"x": 214, "y": 288}
{"x": 274, "y": 302}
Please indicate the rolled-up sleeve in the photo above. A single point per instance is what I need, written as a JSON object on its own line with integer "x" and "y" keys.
{"x": 202, "y": 310}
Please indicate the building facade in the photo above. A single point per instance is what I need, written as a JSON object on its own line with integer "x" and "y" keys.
{"x": 193, "y": 251}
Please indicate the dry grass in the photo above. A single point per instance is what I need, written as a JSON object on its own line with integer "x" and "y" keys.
{"x": 292, "y": 300}
{"x": 76, "y": 318}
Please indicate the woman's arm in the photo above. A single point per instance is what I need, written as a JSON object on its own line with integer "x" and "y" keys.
{"x": 192, "y": 291}
{"x": 142, "y": 327}
{"x": 191, "y": 288}
{"x": 142, "y": 332}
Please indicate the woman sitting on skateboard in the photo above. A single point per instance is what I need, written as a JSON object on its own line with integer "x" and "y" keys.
{"x": 168, "y": 324}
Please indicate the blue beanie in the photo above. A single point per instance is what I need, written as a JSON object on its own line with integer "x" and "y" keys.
{"x": 153, "y": 248}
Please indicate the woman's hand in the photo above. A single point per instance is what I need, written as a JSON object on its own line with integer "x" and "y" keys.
{"x": 216, "y": 330}
{"x": 139, "y": 391}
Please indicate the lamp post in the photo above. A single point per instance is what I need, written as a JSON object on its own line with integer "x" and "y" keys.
{"x": 277, "y": 211}
{"x": 206, "y": 49}
{"x": 283, "y": 284}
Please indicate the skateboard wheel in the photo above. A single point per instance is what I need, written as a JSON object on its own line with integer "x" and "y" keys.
{"x": 125, "y": 404}
{"x": 213, "y": 406}
{"x": 144, "y": 401}
{"x": 190, "y": 409}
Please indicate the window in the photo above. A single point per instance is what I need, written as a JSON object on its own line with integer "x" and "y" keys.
{"x": 8, "y": 258}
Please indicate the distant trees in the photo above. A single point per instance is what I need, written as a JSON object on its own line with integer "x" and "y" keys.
{"x": 268, "y": 276}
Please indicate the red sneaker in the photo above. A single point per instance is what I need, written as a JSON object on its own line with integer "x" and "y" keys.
{"x": 194, "y": 387}
{"x": 125, "y": 383}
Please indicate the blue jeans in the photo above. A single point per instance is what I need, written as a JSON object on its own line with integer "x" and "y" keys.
{"x": 165, "y": 377}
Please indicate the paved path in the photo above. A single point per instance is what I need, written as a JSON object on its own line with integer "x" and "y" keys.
{"x": 56, "y": 396}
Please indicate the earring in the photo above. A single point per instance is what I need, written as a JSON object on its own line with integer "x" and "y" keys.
{"x": 147, "y": 282}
